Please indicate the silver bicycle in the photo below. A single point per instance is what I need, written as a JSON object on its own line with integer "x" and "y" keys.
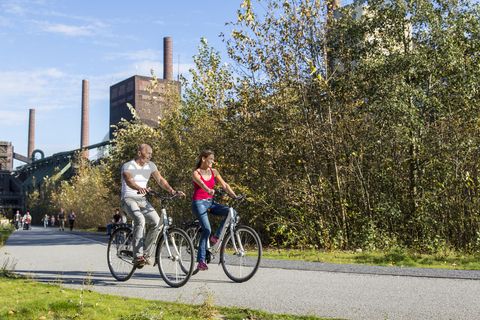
{"x": 239, "y": 245}
{"x": 173, "y": 251}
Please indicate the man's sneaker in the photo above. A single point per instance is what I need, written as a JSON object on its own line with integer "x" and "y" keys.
{"x": 213, "y": 240}
{"x": 139, "y": 262}
{"x": 202, "y": 266}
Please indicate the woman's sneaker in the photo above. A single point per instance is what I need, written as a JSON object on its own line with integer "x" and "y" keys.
{"x": 202, "y": 266}
{"x": 213, "y": 240}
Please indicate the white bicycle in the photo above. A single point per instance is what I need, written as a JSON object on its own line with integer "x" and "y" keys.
{"x": 239, "y": 245}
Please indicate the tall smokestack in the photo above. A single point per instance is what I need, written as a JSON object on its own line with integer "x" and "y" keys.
{"x": 31, "y": 132}
{"x": 167, "y": 58}
{"x": 85, "y": 124}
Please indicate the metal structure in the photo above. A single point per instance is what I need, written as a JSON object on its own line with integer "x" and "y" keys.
{"x": 58, "y": 166}
{"x": 6, "y": 156}
{"x": 11, "y": 196}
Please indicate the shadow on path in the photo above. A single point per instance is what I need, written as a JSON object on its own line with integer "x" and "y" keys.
{"x": 54, "y": 237}
{"x": 102, "y": 278}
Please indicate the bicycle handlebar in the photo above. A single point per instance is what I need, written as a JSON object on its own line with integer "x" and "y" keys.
{"x": 162, "y": 197}
{"x": 220, "y": 193}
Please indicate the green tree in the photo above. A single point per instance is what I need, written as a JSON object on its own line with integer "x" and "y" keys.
{"x": 353, "y": 150}
{"x": 87, "y": 195}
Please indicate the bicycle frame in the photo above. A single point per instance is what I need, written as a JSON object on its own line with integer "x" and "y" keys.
{"x": 163, "y": 231}
{"x": 230, "y": 223}
{"x": 166, "y": 224}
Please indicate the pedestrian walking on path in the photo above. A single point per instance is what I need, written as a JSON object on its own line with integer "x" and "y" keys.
{"x": 61, "y": 219}
{"x": 45, "y": 220}
{"x": 71, "y": 219}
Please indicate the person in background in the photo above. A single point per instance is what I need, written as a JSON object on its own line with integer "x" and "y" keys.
{"x": 61, "y": 220}
{"x": 45, "y": 220}
{"x": 27, "y": 220}
{"x": 116, "y": 220}
{"x": 71, "y": 219}
{"x": 17, "y": 220}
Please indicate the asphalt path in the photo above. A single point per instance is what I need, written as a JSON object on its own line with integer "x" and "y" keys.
{"x": 78, "y": 260}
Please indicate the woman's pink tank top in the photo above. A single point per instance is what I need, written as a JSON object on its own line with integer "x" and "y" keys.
{"x": 198, "y": 192}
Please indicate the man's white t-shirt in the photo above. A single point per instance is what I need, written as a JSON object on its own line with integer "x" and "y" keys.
{"x": 140, "y": 174}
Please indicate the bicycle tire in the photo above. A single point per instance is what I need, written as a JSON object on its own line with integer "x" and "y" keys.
{"x": 120, "y": 254}
{"x": 241, "y": 265}
{"x": 175, "y": 270}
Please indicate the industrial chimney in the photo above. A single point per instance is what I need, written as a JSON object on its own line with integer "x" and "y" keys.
{"x": 31, "y": 133}
{"x": 167, "y": 58}
{"x": 85, "y": 124}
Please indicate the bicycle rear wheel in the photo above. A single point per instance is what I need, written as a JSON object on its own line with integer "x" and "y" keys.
{"x": 120, "y": 254}
{"x": 240, "y": 255}
{"x": 174, "y": 257}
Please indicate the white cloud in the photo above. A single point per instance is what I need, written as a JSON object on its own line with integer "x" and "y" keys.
{"x": 67, "y": 16}
{"x": 9, "y": 117}
{"x": 51, "y": 89}
{"x": 43, "y": 89}
{"x": 146, "y": 54}
{"x": 14, "y": 7}
{"x": 67, "y": 30}
{"x": 17, "y": 83}
{"x": 53, "y": 73}
{"x": 5, "y": 22}
{"x": 144, "y": 67}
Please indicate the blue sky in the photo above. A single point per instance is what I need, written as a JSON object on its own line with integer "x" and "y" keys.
{"x": 48, "y": 46}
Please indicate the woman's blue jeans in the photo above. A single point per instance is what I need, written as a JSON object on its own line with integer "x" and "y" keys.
{"x": 200, "y": 210}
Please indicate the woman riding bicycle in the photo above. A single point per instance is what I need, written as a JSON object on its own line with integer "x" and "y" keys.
{"x": 204, "y": 179}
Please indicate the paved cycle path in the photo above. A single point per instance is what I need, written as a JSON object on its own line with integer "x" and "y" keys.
{"x": 350, "y": 292}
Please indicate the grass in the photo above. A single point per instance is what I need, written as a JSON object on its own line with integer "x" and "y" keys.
{"x": 5, "y": 231}
{"x": 394, "y": 257}
{"x": 26, "y": 299}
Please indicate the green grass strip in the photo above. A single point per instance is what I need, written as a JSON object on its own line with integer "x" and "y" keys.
{"x": 5, "y": 232}
{"x": 26, "y": 299}
{"x": 395, "y": 257}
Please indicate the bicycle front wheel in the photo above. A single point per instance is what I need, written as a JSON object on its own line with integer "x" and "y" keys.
{"x": 240, "y": 255}
{"x": 120, "y": 254}
{"x": 174, "y": 257}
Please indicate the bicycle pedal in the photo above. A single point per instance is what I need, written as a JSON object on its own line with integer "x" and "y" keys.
{"x": 209, "y": 257}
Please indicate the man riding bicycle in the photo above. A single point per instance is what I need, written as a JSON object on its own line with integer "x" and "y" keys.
{"x": 135, "y": 176}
